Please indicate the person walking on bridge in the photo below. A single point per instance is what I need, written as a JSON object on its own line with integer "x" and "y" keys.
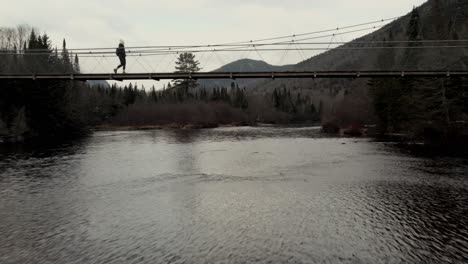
{"x": 120, "y": 52}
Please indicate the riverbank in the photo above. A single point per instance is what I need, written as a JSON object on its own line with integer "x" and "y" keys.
{"x": 403, "y": 141}
{"x": 12, "y": 139}
{"x": 113, "y": 127}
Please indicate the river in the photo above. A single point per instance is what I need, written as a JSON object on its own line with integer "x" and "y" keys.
{"x": 230, "y": 195}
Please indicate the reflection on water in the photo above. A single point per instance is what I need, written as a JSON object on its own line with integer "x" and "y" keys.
{"x": 233, "y": 195}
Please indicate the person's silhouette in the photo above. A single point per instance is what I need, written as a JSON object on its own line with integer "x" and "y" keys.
{"x": 120, "y": 52}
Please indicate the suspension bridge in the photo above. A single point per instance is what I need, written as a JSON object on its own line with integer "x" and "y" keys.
{"x": 155, "y": 62}
{"x": 238, "y": 75}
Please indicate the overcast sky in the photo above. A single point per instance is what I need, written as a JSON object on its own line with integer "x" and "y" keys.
{"x": 102, "y": 23}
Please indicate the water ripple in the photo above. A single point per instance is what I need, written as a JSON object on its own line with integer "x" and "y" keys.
{"x": 230, "y": 195}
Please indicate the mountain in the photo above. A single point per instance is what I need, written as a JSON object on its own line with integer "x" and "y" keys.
{"x": 434, "y": 20}
{"x": 246, "y": 65}
{"x": 438, "y": 19}
{"x": 103, "y": 84}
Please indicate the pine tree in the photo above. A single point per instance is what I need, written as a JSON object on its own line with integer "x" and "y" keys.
{"x": 239, "y": 99}
{"x": 276, "y": 99}
{"x": 66, "y": 57}
{"x": 414, "y": 24}
{"x": 411, "y": 57}
{"x": 153, "y": 94}
{"x": 186, "y": 63}
{"x": 320, "y": 110}
{"x": 32, "y": 44}
{"x": 77, "y": 64}
{"x": 46, "y": 44}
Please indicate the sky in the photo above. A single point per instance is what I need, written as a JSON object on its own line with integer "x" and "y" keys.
{"x": 102, "y": 23}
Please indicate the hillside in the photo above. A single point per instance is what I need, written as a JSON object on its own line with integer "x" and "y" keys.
{"x": 103, "y": 84}
{"x": 246, "y": 65}
{"x": 438, "y": 19}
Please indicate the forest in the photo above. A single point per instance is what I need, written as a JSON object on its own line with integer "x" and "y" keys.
{"x": 62, "y": 109}
{"x": 424, "y": 109}
{"x": 432, "y": 109}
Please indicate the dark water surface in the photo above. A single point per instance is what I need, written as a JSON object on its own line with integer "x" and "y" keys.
{"x": 230, "y": 195}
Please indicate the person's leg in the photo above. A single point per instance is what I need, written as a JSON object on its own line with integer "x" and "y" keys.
{"x": 124, "y": 63}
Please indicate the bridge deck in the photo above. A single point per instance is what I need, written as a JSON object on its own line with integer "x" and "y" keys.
{"x": 234, "y": 75}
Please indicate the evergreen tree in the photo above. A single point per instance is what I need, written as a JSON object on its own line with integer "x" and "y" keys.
{"x": 32, "y": 44}
{"x": 320, "y": 110}
{"x": 239, "y": 99}
{"x": 186, "y": 63}
{"x": 45, "y": 43}
{"x": 153, "y": 94}
{"x": 411, "y": 56}
{"x": 66, "y": 57}
{"x": 77, "y": 64}
{"x": 276, "y": 98}
{"x": 47, "y": 108}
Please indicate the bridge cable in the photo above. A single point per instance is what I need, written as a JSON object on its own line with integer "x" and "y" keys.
{"x": 261, "y": 58}
{"x": 245, "y": 50}
{"x": 281, "y": 37}
{"x": 201, "y": 59}
{"x": 161, "y": 62}
{"x": 284, "y": 54}
{"x": 174, "y": 59}
{"x": 108, "y": 62}
{"x": 148, "y": 64}
{"x": 301, "y": 41}
{"x": 139, "y": 63}
{"x": 209, "y": 59}
{"x": 219, "y": 59}
{"x": 97, "y": 64}
{"x": 299, "y": 49}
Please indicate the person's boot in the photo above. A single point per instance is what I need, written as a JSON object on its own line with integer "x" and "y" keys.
{"x": 115, "y": 71}
{"x": 124, "y": 72}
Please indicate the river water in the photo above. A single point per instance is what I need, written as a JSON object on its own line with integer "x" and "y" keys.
{"x": 230, "y": 195}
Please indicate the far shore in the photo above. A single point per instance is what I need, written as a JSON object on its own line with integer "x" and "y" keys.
{"x": 403, "y": 140}
{"x": 104, "y": 127}
{"x": 166, "y": 126}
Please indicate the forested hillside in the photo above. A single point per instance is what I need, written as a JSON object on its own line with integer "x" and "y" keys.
{"x": 434, "y": 109}
{"x": 60, "y": 109}
{"x": 398, "y": 106}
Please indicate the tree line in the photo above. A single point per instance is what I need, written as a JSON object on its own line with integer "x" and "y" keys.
{"x": 60, "y": 109}
{"x": 43, "y": 108}
{"x": 183, "y": 102}
{"x": 205, "y": 107}
{"x": 428, "y": 108}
